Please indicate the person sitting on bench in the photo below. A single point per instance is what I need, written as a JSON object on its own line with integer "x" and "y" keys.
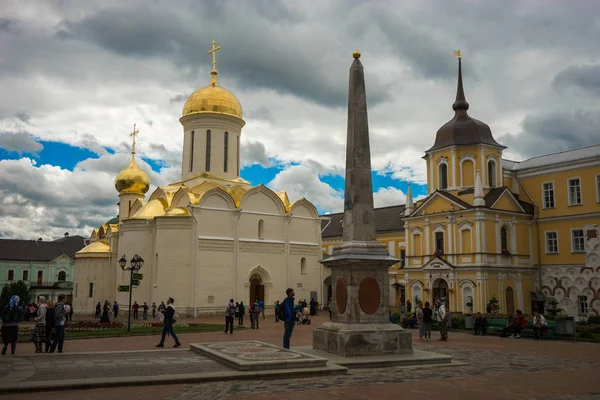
{"x": 518, "y": 324}
{"x": 539, "y": 325}
{"x": 481, "y": 325}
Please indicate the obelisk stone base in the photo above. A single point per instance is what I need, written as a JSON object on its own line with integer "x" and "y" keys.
{"x": 355, "y": 340}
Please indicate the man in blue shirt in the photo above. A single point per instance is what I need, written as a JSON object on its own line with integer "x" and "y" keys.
{"x": 261, "y": 304}
{"x": 290, "y": 317}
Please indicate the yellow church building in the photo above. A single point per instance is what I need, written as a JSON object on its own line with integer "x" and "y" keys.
{"x": 494, "y": 228}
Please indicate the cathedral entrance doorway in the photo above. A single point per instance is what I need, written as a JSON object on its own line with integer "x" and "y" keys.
{"x": 257, "y": 289}
{"x": 510, "y": 300}
{"x": 440, "y": 292}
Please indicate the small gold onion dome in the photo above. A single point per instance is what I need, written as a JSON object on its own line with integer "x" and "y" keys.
{"x": 356, "y": 54}
{"x": 213, "y": 99}
{"x": 132, "y": 179}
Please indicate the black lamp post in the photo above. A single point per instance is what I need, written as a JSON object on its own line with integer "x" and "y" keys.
{"x": 136, "y": 263}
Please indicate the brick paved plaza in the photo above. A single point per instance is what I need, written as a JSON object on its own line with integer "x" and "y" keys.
{"x": 497, "y": 369}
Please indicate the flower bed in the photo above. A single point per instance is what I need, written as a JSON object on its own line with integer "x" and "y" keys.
{"x": 105, "y": 326}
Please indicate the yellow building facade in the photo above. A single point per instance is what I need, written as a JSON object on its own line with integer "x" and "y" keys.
{"x": 493, "y": 228}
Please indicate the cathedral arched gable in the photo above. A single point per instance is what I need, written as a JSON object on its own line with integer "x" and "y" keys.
{"x": 161, "y": 195}
{"x": 221, "y": 194}
{"x": 266, "y": 192}
{"x": 300, "y": 205}
{"x": 182, "y": 198}
{"x": 137, "y": 206}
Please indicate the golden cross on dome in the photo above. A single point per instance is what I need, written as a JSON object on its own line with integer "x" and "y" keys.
{"x": 133, "y": 134}
{"x": 214, "y": 50}
{"x": 457, "y": 53}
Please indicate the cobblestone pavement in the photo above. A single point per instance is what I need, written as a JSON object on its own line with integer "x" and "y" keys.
{"x": 49, "y": 367}
{"x": 498, "y": 369}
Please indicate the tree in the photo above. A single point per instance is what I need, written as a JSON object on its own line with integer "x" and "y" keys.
{"x": 553, "y": 308}
{"x": 494, "y": 304}
{"x": 18, "y": 288}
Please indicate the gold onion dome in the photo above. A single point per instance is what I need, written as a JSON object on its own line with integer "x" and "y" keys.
{"x": 213, "y": 98}
{"x": 132, "y": 179}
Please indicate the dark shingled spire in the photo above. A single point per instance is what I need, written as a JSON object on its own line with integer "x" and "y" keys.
{"x": 460, "y": 103}
{"x": 463, "y": 129}
{"x": 359, "y": 217}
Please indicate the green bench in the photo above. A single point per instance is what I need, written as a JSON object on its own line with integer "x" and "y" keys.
{"x": 496, "y": 326}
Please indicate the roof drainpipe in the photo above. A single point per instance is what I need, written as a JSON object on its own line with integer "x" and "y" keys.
{"x": 536, "y": 217}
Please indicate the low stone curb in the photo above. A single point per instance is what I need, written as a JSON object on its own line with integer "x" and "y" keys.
{"x": 93, "y": 383}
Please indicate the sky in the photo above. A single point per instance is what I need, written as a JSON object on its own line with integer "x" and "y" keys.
{"x": 77, "y": 74}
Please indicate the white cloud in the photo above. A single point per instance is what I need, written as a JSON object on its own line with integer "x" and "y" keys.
{"x": 389, "y": 196}
{"x": 302, "y": 181}
{"x": 46, "y": 201}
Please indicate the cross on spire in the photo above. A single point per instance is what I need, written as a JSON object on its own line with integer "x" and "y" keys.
{"x": 133, "y": 134}
{"x": 213, "y": 51}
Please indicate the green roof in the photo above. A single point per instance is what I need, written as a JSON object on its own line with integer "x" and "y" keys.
{"x": 115, "y": 220}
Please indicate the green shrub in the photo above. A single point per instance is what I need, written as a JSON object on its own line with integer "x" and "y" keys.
{"x": 586, "y": 335}
{"x": 458, "y": 321}
{"x": 397, "y": 317}
{"x": 593, "y": 319}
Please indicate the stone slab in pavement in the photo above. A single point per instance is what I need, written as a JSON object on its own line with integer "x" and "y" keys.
{"x": 253, "y": 355}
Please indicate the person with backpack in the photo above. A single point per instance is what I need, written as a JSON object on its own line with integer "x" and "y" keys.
{"x": 229, "y": 314}
{"x": 11, "y": 317}
{"x": 60, "y": 316}
{"x": 256, "y": 313}
{"x": 288, "y": 316}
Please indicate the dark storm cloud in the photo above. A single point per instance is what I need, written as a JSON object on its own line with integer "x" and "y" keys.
{"x": 179, "y": 98}
{"x": 583, "y": 77}
{"x": 257, "y": 56}
{"x": 20, "y": 142}
{"x": 555, "y": 131}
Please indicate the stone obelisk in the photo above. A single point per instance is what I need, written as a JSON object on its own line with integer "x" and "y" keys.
{"x": 360, "y": 324}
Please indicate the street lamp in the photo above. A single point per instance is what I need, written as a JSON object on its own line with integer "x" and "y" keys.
{"x": 136, "y": 263}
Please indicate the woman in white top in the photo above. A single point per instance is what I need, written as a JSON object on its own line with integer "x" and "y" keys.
{"x": 39, "y": 332}
{"x": 539, "y": 326}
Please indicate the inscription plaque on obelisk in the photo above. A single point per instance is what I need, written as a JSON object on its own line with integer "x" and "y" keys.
{"x": 360, "y": 324}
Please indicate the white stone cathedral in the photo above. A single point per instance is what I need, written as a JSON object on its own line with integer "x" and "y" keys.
{"x": 208, "y": 237}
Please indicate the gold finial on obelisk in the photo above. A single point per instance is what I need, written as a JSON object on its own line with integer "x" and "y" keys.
{"x": 457, "y": 53}
{"x": 214, "y": 72}
{"x": 133, "y": 135}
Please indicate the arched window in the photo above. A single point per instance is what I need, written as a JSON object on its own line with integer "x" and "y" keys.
{"x": 62, "y": 276}
{"x": 208, "y": 139}
{"x": 492, "y": 173}
{"x": 443, "y": 171}
{"x": 503, "y": 239}
{"x": 261, "y": 229}
{"x": 225, "y": 151}
{"x": 191, "y": 152}
{"x": 303, "y": 265}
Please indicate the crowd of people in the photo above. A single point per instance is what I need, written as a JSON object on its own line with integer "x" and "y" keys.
{"x": 48, "y": 332}
{"x": 105, "y": 311}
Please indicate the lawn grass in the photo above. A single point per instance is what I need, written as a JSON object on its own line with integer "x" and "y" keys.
{"x": 138, "y": 332}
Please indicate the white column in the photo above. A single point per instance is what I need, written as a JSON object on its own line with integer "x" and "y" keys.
{"x": 519, "y": 292}
{"x": 427, "y": 233}
{"x": 431, "y": 182}
{"x": 483, "y": 170}
{"x": 500, "y": 170}
{"x": 454, "y": 167}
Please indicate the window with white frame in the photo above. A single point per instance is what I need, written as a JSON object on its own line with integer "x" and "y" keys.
{"x": 25, "y": 276}
{"x": 492, "y": 173}
{"x": 577, "y": 240}
{"x": 11, "y": 275}
{"x": 574, "y": 191}
{"x": 548, "y": 189}
{"x": 552, "y": 242}
{"x": 582, "y": 305}
{"x": 443, "y": 176}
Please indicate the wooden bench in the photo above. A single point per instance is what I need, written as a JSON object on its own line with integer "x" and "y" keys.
{"x": 496, "y": 326}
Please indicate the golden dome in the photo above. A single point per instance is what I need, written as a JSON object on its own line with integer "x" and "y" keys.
{"x": 213, "y": 99}
{"x": 132, "y": 179}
